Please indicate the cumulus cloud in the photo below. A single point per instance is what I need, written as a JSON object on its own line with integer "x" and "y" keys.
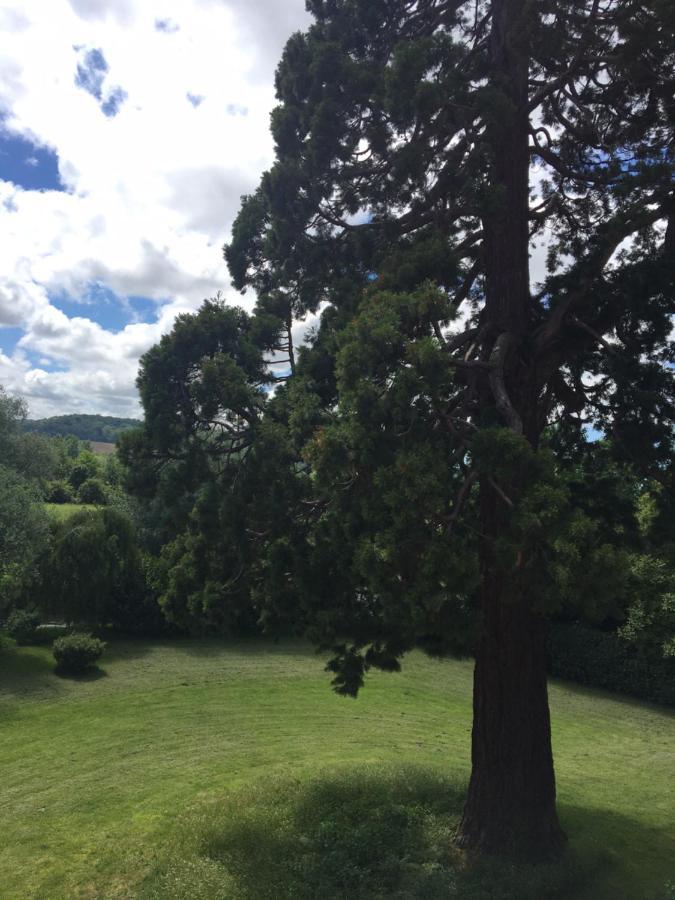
{"x": 158, "y": 113}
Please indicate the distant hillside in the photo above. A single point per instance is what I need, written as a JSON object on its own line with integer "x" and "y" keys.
{"x": 105, "y": 429}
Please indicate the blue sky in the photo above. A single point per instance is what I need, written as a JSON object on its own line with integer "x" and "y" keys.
{"x": 28, "y": 165}
{"x": 128, "y": 132}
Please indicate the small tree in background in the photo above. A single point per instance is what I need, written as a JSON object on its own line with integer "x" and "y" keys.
{"x": 92, "y": 572}
{"x": 24, "y": 532}
{"x": 92, "y": 491}
{"x": 84, "y": 467}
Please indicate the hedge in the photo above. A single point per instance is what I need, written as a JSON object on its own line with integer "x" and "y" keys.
{"x": 603, "y": 659}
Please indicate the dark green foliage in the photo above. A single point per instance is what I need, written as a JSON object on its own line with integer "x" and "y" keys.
{"x": 397, "y": 416}
{"x": 93, "y": 571}
{"x": 59, "y": 492}
{"x": 85, "y": 427}
{"x": 24, "y": 528}
{"x": 92, "y": 491}
{"x": 404, "y": 485}
{"x": 605, "y": 659}
{"x": 12, "y": 414}
{"x": 76, "y": 653}
{"x": 85, "y": 466}
{"x": 22, "y": 625}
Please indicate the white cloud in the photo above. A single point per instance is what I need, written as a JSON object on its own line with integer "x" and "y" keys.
{"x": 152, "y": 190}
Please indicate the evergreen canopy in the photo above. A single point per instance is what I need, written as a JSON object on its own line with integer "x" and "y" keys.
{"x": 410, "y": 482}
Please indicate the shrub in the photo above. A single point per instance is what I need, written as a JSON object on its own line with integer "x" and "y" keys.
{"x": 85, "y": 466}
{"x": 606, "y": 660}
{"x": 92, "y": 491}
{"x": 47, "y": 634}
{"x": 59, "y": 492}
{"x": 76, "y": 653}
{"x": 22, "y": 625}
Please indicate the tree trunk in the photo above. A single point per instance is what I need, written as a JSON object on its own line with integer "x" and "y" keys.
{"x": 510, "y": 806}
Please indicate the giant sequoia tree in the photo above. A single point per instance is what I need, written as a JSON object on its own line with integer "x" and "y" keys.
{"x": 418, "y": 490}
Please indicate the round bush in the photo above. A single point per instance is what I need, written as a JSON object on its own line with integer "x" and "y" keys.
{"x": 92, "y": 491}
{"x": 22, "y": 625}
{"x": 59, "y": 492}
{"x": 76, "y": 653}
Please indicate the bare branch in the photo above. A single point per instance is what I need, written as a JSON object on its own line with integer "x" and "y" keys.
{"x": 457, "y": 341}
{"x": 462, "y": 494}
{"x": 505, "y": 498}
{"x": 598, "y": 337}
{"x": 498, "y": 357}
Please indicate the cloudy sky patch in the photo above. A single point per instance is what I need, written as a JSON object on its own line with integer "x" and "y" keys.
{"x": 128, "y": 131}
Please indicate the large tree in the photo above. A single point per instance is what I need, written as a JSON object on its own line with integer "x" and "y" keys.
{"x": 423, "y": 147}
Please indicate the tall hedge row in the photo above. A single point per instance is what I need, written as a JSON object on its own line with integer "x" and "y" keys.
{"x": 602, "y": 659}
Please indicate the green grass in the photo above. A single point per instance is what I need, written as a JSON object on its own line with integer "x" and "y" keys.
{"x": 229, "y": 770}
{"x": 61, "y": 511}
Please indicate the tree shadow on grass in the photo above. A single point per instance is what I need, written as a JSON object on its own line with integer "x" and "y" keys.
{"x": 93, "y": 674}
{"x": 121, "y": 649}
{"x": 254, "y": 645}
{"x": 369, "y": 834}
{"x": 595, "y": 693}
{"x": 27, "y": 671}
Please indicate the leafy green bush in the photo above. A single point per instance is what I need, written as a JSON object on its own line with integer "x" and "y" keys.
{"x": 76, "y": 653}
{"x": 59, "y": 492}
{"x": 22, "y": 625}
{"x": 605, "y": 659}
{"x": 84, "y": 467}
{"x": 92, "y": 491}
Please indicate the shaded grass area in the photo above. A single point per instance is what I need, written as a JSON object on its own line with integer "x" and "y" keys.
{"x": 208, "y": 767}
{"x": 348, "y": 835}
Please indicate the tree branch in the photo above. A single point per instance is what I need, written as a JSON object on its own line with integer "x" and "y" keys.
{"x": 498, "y": 357}
{"x": 462, "y": 494}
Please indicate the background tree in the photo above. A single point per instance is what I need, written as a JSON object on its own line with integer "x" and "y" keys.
{"x": 422, "y": 147}
{"x": 23, "y": 523}
{"x": 92, "y": 572}
{"x": 24, "y": 531}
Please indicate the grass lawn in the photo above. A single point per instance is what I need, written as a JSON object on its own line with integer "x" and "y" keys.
{"x": 60, "y": 511}
{"x": 230, "y": 770}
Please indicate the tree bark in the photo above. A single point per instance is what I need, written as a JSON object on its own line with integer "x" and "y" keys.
{"x": 510, "y": 807}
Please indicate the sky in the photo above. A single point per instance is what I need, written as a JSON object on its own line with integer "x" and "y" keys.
{"x": 129, "y": 129}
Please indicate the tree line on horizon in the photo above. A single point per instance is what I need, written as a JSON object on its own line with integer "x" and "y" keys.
{"x": 84, "y": 426}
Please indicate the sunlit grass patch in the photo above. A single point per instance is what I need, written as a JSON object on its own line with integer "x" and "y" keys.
{"x": 243, "y": 745}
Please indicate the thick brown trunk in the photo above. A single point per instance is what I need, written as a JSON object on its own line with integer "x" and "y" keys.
{"x": 510, "y": 806}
